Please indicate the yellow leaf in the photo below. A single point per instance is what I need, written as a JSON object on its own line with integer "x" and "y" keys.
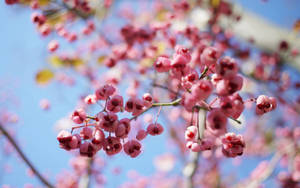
{"x": 76, "y": 62}
{"x": 101, "y": 59}
{"x": 146, "y": 62}
{"x": 55, "y": 19}
{"x": 43, "y": 2}
{"x": 161, "y": 15}
{"x": 215, "y": 3}
{"x": 44, "y": 76}
{"x": 296, "y": 26}
{"x": 55, "y": 61}
{"x": 161, "y": 46}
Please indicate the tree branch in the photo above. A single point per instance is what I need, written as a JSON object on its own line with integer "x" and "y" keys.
{"x": 192, "y": 166}
{"x": 85, "y": 180}
{"x": 250, "y": 183}
{"x": 25, "y": 159}
{"x": 251, "y": 27}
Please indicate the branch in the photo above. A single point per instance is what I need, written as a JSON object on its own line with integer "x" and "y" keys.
{"x": 173, "y": 103}
{"x": 266, "y": 35}
{"x": 25, "y": 159}
{"x": 269, "y": 170}
{"x": 164, "y": 87}
{"x": 192, "y": 166}
{"x": 85, "y": 180}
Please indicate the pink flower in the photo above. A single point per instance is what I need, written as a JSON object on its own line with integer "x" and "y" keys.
{"x": 98, "y": 136}
{"x": 202, "y": 89}
{"x": 132, "y": 148}
{"x": 86, "y": 133}
{"x": 162, "y": 64}
{"x": 155, "y": 129}
{"x": 180, "y": 50}
{"x": 190, "y": 79}
{"x": 147, "y": 98}
{"x": 265, "y": 104}
{"x": 64, "y": 136}
{"x": 191, "y": 133}
{"x": 136, "y": 106}
{"x": 87, "y": 149}
{"x": 216, "y": 122}
{"x": 53, "y": 46}
{"x": 45, "y": 104}
{"x": 78, "y": 116}
{"x": 45, "y": 30}
{"x": 210, "y": 56}
{"x": 90, "y": 99}
{"x": 112, "y": 145}
{"x": 141, "y": 134}
{"x": 107, "y": 121}
{"x": 181, "y": 58}
{"x": 232, "y": 106}
{"x": 227, "y": 66}
{"x": 123, "y": 128}
{"x": 188, "y": 101}
{"x": 229, "y": 85}
{"x": 232, "y": 145}
{"x": 104, "y": 92}
{"x": 37, "y": 18}
{"x": 115, "y": 104}
{"x": 200, "y": 145}
{"x": 68, "y": 141}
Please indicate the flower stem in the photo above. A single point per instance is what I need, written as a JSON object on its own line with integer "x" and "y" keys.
{"x": 173, "y": 103}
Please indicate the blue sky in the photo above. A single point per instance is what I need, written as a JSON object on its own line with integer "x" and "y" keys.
{"x": 23, "y": 53}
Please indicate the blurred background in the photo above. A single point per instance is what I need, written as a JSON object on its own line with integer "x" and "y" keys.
{"x": 23, "y": 52}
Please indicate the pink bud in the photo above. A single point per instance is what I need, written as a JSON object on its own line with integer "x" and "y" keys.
{"x": 132, "y": 148}
{"x": 86, "y": 133}
{"x": 115, "y": 104}
{"x": 53, "y": 45}
{"x": 232, "y": 145}
{"x": 155, "y": 129}
{"x": 108, "y": 121}
{"x": 216, "y": 122}
{"x": 104, "y": 92}
{"x": 112, "y": 145}
{"x": 141, "y": 135}
{"x": 162, "y": 64}
{"x": 90, "y": 99}
{"x": 191, "y": 133}
{"x": 78, "y": 116}
{"x": 98, "y": 136}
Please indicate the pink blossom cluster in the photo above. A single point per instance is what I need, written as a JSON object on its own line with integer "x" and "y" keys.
{"x": 220, "y": 74}
{"x": 92, "y": 136}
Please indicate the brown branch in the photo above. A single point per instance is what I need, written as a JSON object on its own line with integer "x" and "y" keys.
{"x": 23, "y": 156}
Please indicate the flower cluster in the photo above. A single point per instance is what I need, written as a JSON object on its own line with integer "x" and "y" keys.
{"x": 218, "y": 81}
{"x": 92, "y": 136}
{"x": 220, "y": 74}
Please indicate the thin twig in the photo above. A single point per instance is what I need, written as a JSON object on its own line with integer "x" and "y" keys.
{"x": 23, "y": 156}
{"x": 164, "y": 87}
{"x": 203, "y": 75}
{"x": 173, "y": 103}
